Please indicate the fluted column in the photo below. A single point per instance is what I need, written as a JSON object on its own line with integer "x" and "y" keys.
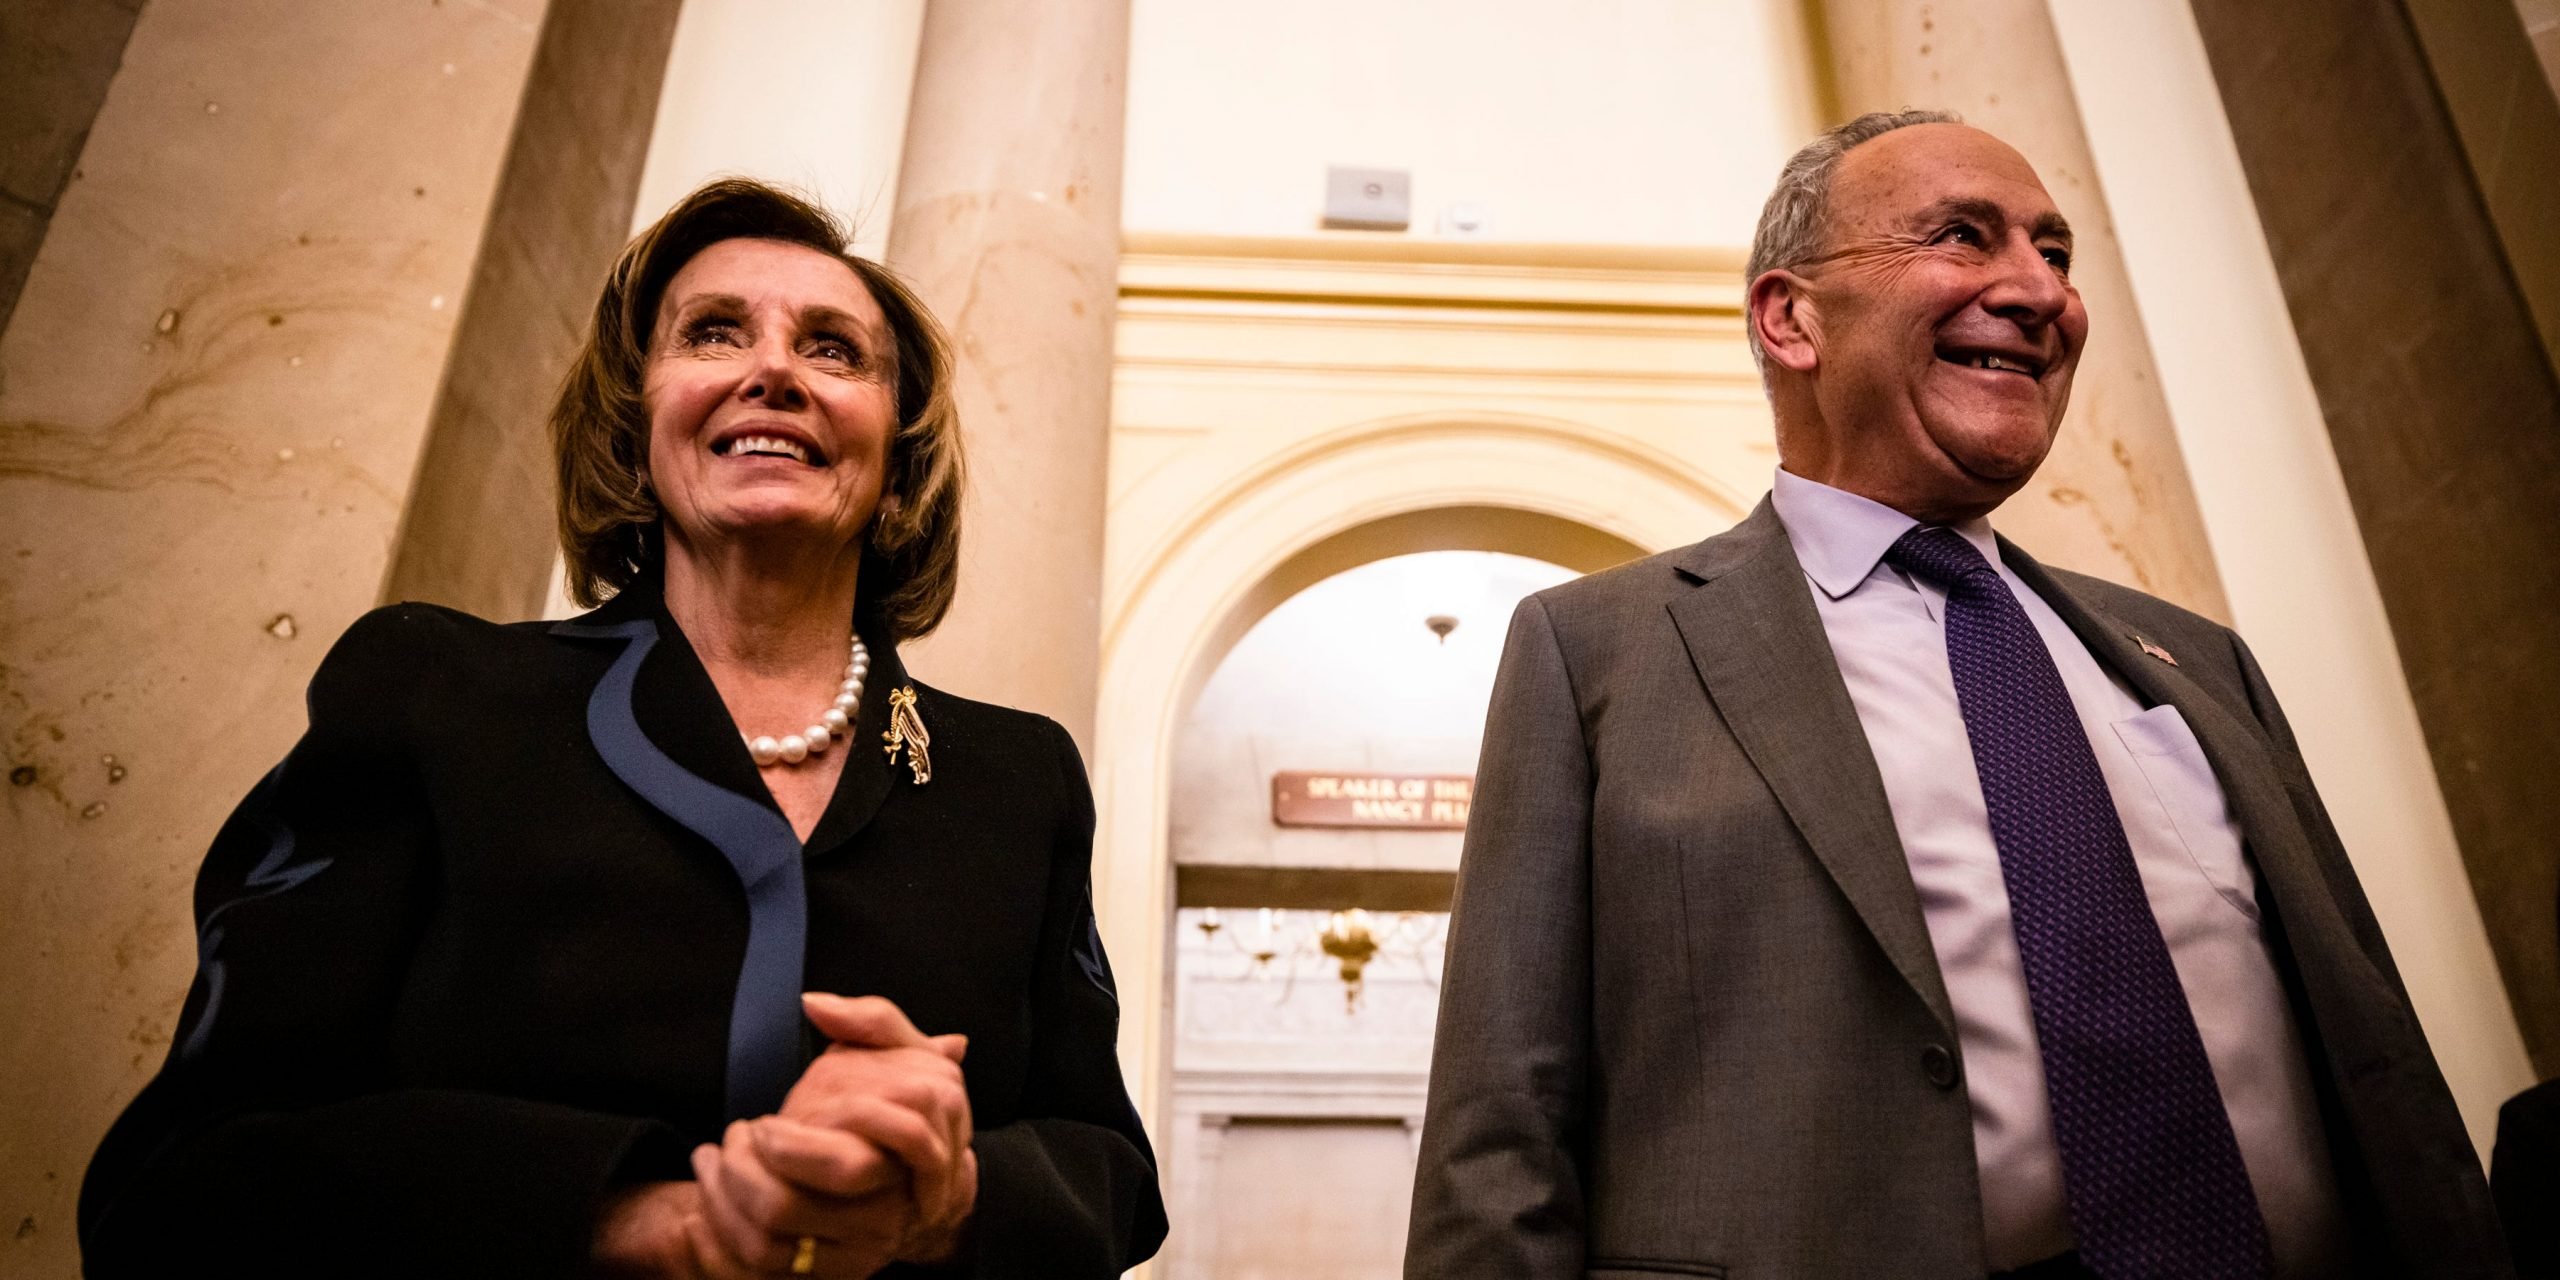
{"x": 1008, "y": 222}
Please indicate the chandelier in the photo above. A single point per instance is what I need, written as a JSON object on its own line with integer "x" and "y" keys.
{"x": 1351, "y": 938}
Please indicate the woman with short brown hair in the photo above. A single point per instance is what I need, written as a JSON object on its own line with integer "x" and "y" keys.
{"x": 689, "y": 937}
{"x": 599, "y": 427}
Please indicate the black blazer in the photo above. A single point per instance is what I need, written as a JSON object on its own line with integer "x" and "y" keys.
{"x": 517, "y": 922}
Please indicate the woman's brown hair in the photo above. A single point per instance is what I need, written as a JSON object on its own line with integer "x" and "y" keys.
{"x": 600, "y": 426}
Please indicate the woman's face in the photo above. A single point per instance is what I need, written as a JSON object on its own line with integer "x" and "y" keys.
{"x": 771, "y": 391}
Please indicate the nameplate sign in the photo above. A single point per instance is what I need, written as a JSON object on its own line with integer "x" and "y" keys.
{"x": 1412, "y": 801}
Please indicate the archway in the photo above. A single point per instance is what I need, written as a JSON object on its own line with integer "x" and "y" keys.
{"x": 1558, "y": 491}
{"x": 1317, "y": 800}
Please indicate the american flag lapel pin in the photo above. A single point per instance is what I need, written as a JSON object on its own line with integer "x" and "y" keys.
{"x": 2155, "y": 651}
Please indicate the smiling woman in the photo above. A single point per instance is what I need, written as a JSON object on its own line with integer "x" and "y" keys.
{"x": 600, "y": 945}
{"x": 797, "y": 457}
{"x": 677, "y": 302}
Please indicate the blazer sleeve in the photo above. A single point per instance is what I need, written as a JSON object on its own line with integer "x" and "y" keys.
{"x": 2330, "y": 848}
{"x": 2434, "y": 1207}
{"x": 1069, "y": 1189}
{"x": 274, "y": 1140}
{"x": 1499, "y": 1184}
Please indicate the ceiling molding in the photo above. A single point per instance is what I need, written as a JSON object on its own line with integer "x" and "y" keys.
{"x": 1395, "y": 271}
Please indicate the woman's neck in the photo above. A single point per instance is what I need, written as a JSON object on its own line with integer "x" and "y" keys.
{"x": 762, "y": 615}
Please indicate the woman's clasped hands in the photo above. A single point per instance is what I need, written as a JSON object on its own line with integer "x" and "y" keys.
{"x": 868, "y": 1163}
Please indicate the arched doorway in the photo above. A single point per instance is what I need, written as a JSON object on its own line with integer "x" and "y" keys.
{"x": 1321, "y": 781}
{"x": 1555, "y": 491}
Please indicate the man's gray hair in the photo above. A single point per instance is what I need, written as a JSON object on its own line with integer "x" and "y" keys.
{"x": 1795, "y": 222}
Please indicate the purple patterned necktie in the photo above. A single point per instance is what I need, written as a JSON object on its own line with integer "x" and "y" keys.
{"x": 2149, "y": 1166}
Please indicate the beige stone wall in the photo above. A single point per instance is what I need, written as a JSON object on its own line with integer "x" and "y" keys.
{"x": 1643, "y": 122}
{"x": 212, "y": 396}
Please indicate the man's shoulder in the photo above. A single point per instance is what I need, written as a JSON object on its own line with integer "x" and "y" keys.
{"x": 1639, "y": 583}
{"x": 1608, "y": 608}
{"x": 1652, "y": 580}
{"x": 1605, "y": 608}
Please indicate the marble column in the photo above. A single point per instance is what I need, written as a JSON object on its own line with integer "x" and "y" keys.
{"x": 1008, "y": 223}
{"x": 2114, "y": 498}
{"x": 213, "y": 392}
{"x": 56, "y": 59}
{"x": 480, "y": 533}
{"x": 2384, "y": 530}
{"x": 2408, "y": 248}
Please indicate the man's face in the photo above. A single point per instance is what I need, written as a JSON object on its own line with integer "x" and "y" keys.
{"x": 1942, "y": 324}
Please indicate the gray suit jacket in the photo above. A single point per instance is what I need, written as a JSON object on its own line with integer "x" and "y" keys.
{"x": 1692, "y": 1024}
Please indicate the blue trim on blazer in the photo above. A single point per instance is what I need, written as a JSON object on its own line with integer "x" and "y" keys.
{"x": 275, "y": 873}
{"x": 764, "y": 1016}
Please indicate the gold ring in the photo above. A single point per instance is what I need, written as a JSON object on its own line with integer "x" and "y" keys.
{"x": 806, "y": 1259}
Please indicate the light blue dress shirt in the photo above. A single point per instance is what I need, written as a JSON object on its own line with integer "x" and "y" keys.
{"x": 1888, "y": 635}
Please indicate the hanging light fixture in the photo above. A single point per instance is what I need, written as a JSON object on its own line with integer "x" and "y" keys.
{"x": 1276, "y": 943}
{"x": 1348, "y": 938}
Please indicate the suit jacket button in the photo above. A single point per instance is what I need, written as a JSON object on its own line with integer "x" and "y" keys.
{"x": 1940, "y": 1066}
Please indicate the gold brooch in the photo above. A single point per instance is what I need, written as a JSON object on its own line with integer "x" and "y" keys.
{"x": 906, "y": 729}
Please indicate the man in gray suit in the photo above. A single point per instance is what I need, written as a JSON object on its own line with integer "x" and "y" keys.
{"x": 1849, "y": 895}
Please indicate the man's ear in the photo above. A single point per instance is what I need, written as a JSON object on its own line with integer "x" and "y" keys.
{"x": 1780, "y": 307}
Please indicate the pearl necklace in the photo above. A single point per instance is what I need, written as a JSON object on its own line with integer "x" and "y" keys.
{"x": 835, "y": 722}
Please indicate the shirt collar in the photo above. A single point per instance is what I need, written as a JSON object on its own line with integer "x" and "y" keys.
{"x": 1840, "y": 537}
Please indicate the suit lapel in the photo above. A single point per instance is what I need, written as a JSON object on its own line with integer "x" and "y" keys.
{"x": 680, "y": 710}
{"x": 1757, "y": 643}
{"x": 764, "y": 1046}
{"x": 659, "y": 723}
{"x": 2239, "y": 753}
